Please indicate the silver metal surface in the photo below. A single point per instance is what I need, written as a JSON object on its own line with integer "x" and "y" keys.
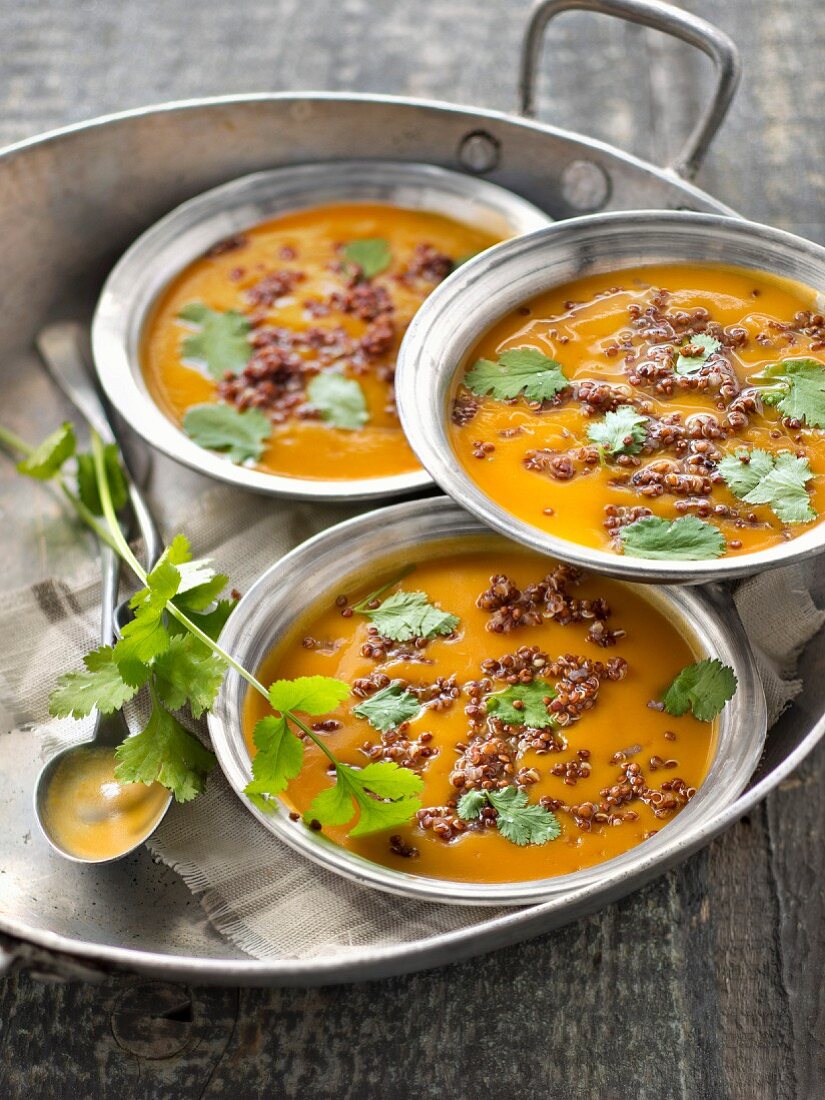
{"x": 70, "y": 203}
{"x": 60, "y": 348}
{"x": 348, "y": 557}
{"x": 487, "y": 287}
{"x": 185, "y": 234}
{"x": 663, "y": 17}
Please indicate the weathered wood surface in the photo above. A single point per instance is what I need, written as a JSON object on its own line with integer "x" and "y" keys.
{"x": 708, "y": 983}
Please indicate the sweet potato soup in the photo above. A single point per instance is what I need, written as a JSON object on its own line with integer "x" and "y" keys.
{"x": 661, "y": 412}
{"x": 278, "y": 346}
{"x": 530, "y": 706}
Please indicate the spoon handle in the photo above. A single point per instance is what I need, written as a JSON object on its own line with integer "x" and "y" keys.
{"x": 61, "y": 348}
{"x": 110, "y": 565}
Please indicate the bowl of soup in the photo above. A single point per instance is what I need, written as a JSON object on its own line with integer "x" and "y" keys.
{"x": 642, "y": 394}
{"x": 252, "y": 333}
{"x": 533, "y": 699}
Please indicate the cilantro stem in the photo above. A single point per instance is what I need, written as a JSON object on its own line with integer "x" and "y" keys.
{"x": 13, "y": 443}
{"x": 362, "y": 606}
{"x": 311, "y": 734}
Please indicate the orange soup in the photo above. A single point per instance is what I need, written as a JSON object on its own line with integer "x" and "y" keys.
{"x": 278, "y": 346}
{"x": 661, "y": 412}
{"x": 544, "y": 690}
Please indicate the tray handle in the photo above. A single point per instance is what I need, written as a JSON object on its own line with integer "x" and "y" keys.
{"x": 662, "y": 17}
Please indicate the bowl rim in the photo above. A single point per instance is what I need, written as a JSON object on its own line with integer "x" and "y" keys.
{"x": 444, "y": 330}
{"x": 707, "y": 614}
{"x": 162, "y": 251}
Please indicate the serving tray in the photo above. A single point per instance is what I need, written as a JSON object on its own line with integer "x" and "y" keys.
{"x": 70, "y": 203}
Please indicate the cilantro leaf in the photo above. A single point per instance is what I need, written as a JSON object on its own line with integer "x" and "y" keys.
{"x": 703, "y": 687}
{"x": 802, "y": 392}
{"x": 146, "y": 637}
{"x": 521, "y": 823}
{"x": 532, "y": 709}
{"x": 210, "y": 622}
{"x": 406, "y": 615}
{"x": 308, "y": 694}
{"x": 686, "y": 538}
{"x": 184, "y": 675}
{"x": 516, "y": 819}
{"x": 100, "y": 687}
{"x": 87, "y": 480}
{"x": 340, "y": 401}
{"x": 371, "y": 254}
{"x": 48, "y": 457}
{"x": 388, "y": 708}
{"x": 166, "y": 753}
{"x": 222, "y": 428}
{"x": 744, "y": 469}
{"x": 354, "y": 790}
{"x": 279, "y": 758}
{"x": 222, "y": 344}
{"x": 691, "y": 364}
{"x": 521, "y": 370}
{"x": 758, "y": 477}
{"x": 471, "y": 804}
{"x": 620, "y": 432}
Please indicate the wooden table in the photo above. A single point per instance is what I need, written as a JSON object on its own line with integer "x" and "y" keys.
{"x": 706, "y": 984}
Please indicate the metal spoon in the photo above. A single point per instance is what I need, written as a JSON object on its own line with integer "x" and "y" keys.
{"x": 61, "y": 348}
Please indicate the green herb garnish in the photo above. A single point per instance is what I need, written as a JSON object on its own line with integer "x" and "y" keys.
{"x": 87, "y": 482}
{"x": 686, "y": 538}
{"x": 520, "y": 371}
{"x": 371, "y": 255}
{"x": 801, "y": 392}
{"x": 692, "y": 364}
{"x": 46, "y": 460}
{"x": 406, "y": 615}
{"x": 758, "y": 477}
{"x": 523, "y": 704}
{"x": 170, "y": 648}
{"x": 222, "y": 342}
{"x": 621, "y": 432}
{"x": 366, "y": 792}
{"x": 704, "y": 688}
{"x": 222, "y": 428}
{"x": 388, "y": 708}
{"x": 516, "y": 819}
{"x": 339, "y": 400}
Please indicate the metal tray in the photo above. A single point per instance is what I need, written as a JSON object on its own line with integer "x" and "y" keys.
{"x": 70, "y": 203}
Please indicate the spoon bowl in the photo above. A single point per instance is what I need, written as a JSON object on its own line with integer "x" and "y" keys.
{"x": 109, "y": 732}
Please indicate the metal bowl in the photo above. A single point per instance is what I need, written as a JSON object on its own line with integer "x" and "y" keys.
{"x": 188, "y": 231}
{"x": 350, "y": 555}
{"x": 457, "y": 314}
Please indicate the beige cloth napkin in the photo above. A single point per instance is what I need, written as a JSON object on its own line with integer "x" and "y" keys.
{"x": 267, "y": 899}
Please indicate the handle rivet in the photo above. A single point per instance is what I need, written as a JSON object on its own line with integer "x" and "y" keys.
{"x": 479, "y": 152}
{"x": 585, "y": 185}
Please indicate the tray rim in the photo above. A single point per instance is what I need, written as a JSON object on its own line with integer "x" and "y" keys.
{"x": 443, "y": 948}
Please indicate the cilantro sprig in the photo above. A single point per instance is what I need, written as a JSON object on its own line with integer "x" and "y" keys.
{"x": 242, "y": 435}
{"x": 520, "y": 371}
{"x": 523, "y": 704}
{"x": 621, "y": 432}
{"x": 403, "y": 616}
{"x": 339, "y": 400}
{"x": 369, "y": 255}
{"x": 692, "y": 364}
{"x": 799, "y": 391}
{"x": 388, "y": 708}
{"x": 778, "y": 480}
{"x": 686, "y": 538}
{"x": 171, "y": 649}
{"x": 220, "y": 342}
{"x": 703, "y": 688}
{"x": 516, "y": 819}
